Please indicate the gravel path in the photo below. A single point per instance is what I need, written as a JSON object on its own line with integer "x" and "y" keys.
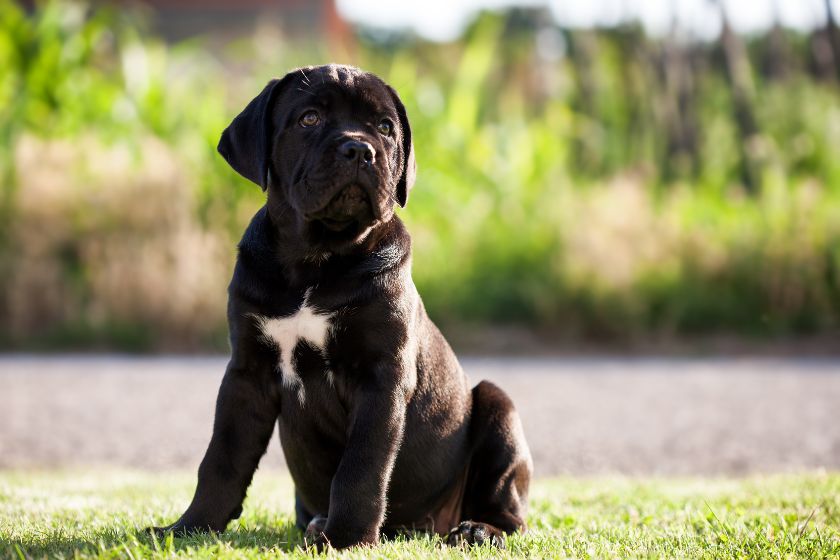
{"x": 581, "y": 416}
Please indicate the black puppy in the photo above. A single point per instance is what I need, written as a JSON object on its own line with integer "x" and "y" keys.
{"x": 330, "y": 339}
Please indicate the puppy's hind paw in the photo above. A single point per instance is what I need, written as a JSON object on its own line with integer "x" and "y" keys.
{"x": 475, "y": 533}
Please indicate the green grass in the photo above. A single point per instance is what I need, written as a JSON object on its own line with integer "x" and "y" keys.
{"x": 100, "y": 514}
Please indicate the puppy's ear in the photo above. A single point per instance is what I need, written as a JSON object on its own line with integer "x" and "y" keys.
{"x": 409, "y": 164}
{"x": 246, "y": 142}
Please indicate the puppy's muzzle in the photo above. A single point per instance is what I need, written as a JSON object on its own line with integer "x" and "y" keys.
{"x": 351, "y": 206}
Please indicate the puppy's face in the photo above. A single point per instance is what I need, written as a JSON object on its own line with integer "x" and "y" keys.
{"x": 335, "y": 153}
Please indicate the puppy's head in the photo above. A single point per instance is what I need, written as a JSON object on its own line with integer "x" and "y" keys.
{"x": 332, "y": 147}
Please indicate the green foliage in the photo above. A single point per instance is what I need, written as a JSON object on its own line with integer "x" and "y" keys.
{"x": 597, "y": 194}
{"x": 101, "y": 515}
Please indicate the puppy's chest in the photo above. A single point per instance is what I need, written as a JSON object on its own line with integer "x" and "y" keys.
{"x": 301, "y": 340}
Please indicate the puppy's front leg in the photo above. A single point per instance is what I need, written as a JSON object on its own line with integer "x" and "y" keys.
{"x": 246, "y": 410}
{"x": 358, "y": 494}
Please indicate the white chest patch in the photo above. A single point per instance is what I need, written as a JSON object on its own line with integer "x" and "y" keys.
{"x": 285, "y": 333}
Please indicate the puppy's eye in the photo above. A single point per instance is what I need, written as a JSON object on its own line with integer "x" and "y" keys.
{"x": 384, "y": 127}
{"x": 309, "y": 118}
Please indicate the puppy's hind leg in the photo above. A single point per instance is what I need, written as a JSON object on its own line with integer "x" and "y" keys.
{"x": 302, "y": 515}
{"x": 496, "y": 493}
{"x": 312, "y": 525}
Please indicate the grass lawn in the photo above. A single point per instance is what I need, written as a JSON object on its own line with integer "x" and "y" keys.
{"x": 99, "y": 514}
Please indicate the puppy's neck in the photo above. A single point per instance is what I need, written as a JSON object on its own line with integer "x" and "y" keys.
{"x": 304, "y": 265}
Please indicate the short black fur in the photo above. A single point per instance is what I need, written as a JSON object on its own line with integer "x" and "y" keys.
{"x": 380, "y": 429}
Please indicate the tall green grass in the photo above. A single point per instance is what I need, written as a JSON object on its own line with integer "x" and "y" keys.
{"x": 546, "y": 195}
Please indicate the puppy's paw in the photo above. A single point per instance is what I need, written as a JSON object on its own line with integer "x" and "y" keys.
{"x": 176, "y": 529}
{"x": 475, "y": 533}
{"x": 314, "y": 534}
{"x": 320, "y": 537}
{"x": 181, "y": 528}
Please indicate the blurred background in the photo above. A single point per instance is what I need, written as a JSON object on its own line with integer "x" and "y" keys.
{"x": 602, "y": 174}
{"x": 596, "y": 178}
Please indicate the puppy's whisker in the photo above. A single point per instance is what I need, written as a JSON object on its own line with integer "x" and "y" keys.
{"x": 305, "y": 78}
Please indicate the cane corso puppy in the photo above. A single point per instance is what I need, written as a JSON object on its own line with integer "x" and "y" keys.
{"x": 330, "y": 340}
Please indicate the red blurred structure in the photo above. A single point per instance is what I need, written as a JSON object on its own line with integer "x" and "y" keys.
{"x": 224, "y": 20}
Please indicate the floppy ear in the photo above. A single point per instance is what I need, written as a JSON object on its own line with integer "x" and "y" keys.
{"x": 409, "y": 170}
{"x": 246, "y": 142}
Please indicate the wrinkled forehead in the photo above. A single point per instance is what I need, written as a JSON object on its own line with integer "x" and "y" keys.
{"x": 333, "y": 87}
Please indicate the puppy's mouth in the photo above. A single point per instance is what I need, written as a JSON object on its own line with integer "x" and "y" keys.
{"x": 345, "y": 212}
{"x": 340, "y": 225}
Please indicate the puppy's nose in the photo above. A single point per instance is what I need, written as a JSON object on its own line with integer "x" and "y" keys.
{"x": 357, "y": 151}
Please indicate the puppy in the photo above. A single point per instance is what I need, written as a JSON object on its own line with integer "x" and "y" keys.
{"x": 330, "y": 340}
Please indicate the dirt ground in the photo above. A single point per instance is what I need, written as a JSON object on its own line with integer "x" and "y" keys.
{"x": 581, "y": 416}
